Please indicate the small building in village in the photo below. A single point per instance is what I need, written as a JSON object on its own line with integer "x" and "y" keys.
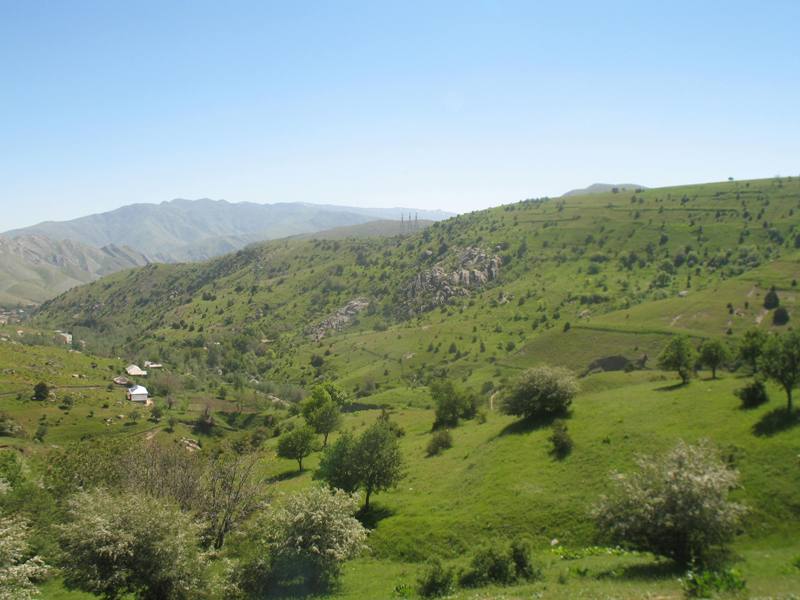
{"x": 152, "y": 365}
{"x": 138, "y": 393}
{"x": 135, "y": 371}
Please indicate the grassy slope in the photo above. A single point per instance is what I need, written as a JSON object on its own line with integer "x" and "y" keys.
{"x": 494, "y": 484}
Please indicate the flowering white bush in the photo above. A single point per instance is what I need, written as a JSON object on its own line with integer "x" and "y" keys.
{"x": 315, "y": 530}
{"x": 675, "y": 505}
{"x": 117, "y": 544}
{"x": 17, "y": 573}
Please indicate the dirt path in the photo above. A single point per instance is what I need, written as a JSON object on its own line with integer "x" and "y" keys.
{"x": 675, "y": 320}
{"x": 761, "y": 315}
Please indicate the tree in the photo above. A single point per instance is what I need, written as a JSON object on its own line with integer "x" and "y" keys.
{"x": 378, "y": 460}
{"x": 230, "y": 494}
{"x": 337, "y": 466}
{"x": 751, "y": 347}
{"x": 540, "y": 392}
{"x": 780, "y": 316}
{"x": 371, "y": 462}
{"x": 679, "y": 355}
{"x": 129, "y": 543}
{"x": 312, "y": 533}
{"x": 18, "y": 571}
{"x": 322, "y": 412}
{"x": 771, "y": 299}
{"x": 452, "y": 403}
{"x": 713, "y": 354}
{"x": 297, "y": 444}
{"x": 41, "y": 391}
{"x": 675, "y": 505}
{"x": 780, "y": 362}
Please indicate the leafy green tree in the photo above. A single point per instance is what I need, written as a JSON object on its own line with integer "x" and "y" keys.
{"x": 714, "y": 353}
{"x": 751, "y": 346}
{"x": 540, "y": 392}
{"x": 679, "y": 355}
{"x": 780, "y": 362}
{"x": 119, "y": 544}
{"x": 322, "y": 412}
{"x": 371, "y": 462}
{"x": 452, "y": 403}
{"x": 378, "y": 459}
{"x": 297, "y": 444}
{"x": 41, "y": 391}
{"x": 337, "y": 466}
{"x": 674, "y": 505}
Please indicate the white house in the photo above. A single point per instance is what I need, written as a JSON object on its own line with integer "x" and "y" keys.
{"x": 152, "y": 365}
{"x": 137, "y": 393}
{"x": 135, "y": 371}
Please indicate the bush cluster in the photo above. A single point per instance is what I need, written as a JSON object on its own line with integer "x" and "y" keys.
{"x": 440, "y": 441}
{"x": 753, "y": 394}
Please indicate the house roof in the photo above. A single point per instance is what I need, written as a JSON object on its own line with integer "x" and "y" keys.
{"x": 137, "y": 389}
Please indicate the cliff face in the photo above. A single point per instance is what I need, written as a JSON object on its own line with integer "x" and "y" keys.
{"x": 472, "y": 269}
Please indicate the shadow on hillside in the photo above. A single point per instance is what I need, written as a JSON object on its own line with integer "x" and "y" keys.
{"x": 374, "y": 515}
{"x": 776, "y": 421}
{"x": 528, "y": 425}
{"x": 662, "y": 569}
{"x": 285, "y": 476}
{"x": 671, "y": 388}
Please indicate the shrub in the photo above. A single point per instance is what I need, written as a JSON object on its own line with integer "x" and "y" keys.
{"x": 676, "y": 505}
{"x": 435, "y": 581}
{"x": 120, "y": 544}
{"x": 704, "y": 584}
{"x": 753, "y": 394}
{"x": 771, "y": 299}
{"x": 561, "y": 440}
{"x": 41, "y": 391}
{"x": 520, "y": 554}
{"x": 311, "y": 534}
{"x": 780, "y": 316}
{"x": 501, "y": 566}
{"x": 540, "y": 392}
{"x": 452, "y": 404}
{"x": 489, "y": 565}
{"x": 440, "y": 440}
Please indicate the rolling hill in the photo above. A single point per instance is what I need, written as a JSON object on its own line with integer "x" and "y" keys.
{"x": 597, "y": 283}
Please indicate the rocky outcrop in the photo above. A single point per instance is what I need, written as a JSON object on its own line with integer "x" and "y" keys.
{"x": 340, "y": 319}
{"x": 471, "y": 269}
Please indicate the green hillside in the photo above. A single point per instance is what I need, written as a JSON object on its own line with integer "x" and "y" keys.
{"x": 598, "y": 283}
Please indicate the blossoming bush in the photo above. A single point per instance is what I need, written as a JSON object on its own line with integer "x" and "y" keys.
{"x": 676, "y": 505}
{"x": 312, "y": 533}
{"x": 17, "y": 572}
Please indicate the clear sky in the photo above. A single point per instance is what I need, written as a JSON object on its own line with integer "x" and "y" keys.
{"x": 454, "y": 105}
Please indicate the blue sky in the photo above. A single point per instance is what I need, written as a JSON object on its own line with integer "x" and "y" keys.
{"x": 453, "y": 105}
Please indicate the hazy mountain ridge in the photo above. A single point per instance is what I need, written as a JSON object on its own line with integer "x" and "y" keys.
{"x": 199, "y": 229}
{"x": 34, "y": 268}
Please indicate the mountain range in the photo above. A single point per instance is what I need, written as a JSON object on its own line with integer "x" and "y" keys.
{"x": 43, "y": 260}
